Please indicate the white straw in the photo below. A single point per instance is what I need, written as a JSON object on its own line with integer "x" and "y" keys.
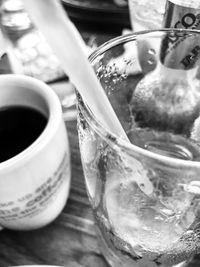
{"x": 67, "y": 44}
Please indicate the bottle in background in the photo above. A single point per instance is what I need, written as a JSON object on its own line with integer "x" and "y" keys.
{"x": 177, "y": 74}
{"x": 183, "y": 14}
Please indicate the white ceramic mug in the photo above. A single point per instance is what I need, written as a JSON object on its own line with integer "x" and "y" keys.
{"x": 34, "y": 184}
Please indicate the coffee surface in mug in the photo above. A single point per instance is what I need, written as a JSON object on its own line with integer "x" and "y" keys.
{"x": 20, "y": 126}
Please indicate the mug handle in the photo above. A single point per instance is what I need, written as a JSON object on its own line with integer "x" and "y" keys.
{"x": 65, "y": 91}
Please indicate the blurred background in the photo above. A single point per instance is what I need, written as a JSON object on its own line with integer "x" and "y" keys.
{"x": 24, "y": 50}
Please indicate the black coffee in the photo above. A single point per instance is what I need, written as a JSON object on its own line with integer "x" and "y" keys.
{"x": 19, "y": 128}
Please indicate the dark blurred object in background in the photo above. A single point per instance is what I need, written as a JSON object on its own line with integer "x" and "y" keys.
{"x": 104, "y": 15}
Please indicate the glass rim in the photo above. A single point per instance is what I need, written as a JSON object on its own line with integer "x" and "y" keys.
{"x": 112, "y": 138}
{"x": 132, "y": 36}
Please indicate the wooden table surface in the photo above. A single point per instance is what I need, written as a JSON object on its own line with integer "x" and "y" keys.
{"x": 70, "y": 240}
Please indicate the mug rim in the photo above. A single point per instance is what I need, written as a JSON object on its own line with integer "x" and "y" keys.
{"x": 113, "y": 139}
{"x": 53, "y": 120}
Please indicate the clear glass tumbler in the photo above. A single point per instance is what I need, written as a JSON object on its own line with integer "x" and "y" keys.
{"x": 156, "y": 97}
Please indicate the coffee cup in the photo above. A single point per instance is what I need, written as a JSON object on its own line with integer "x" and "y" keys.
{"x": 34, "y": 154}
